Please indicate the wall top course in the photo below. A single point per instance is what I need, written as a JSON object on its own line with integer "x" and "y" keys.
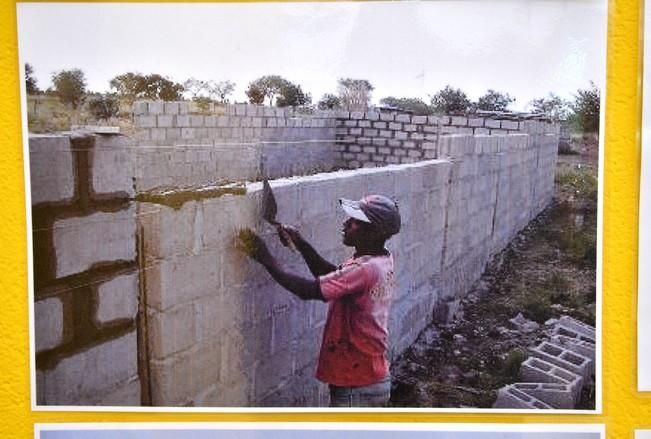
{"x": 145, "y": 107}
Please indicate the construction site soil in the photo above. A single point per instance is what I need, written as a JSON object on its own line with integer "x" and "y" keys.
{"x": 547, "y": 270}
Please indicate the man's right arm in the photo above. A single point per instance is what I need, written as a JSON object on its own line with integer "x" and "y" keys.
{"x": 315, "y": 262}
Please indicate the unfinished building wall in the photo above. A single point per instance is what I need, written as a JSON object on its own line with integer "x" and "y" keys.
{"x": 213, "y": 328}
{"x": 178, "y": 145}
{"x": 222, "y": 333}
{"x": 85, "y": 271}
{"x": 210, "y": 305}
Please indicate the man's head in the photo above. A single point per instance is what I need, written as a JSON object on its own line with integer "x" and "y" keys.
{"x": 377, "y": 218}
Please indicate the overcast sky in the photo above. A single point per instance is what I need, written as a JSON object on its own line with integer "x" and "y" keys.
{"x": 527, "y": 48}
{"x": 304, "y": 434}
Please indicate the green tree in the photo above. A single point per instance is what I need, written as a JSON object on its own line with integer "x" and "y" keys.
{"x": 415, "y": 105}
{"x": 551, "y": 106}
{"x": 494, "y": 101}
{"x": 103, "y": 106}
{"x": 585, "y": 109}
{"x": 255, "y": 94}
{"x": 278, "y": 90}
{"x": 291, "y": 95}
{"x": 70, "y": 86}
{"x": 329, "y": 102}
{"x": 269, "y": 86}
{"x": 133, "y": 86}
{"x": 214, "y": 91}
{"x": 30, "y": 80}
{"x": 450, "y": 100}
{"x": 354, "y": 94}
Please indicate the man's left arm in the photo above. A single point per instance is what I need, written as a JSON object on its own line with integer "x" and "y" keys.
{"x": 304, "y": 289}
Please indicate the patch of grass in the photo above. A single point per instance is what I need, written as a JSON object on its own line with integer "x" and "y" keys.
{"x": 537, "y": 306}
{"x": 246, "y": 241}
{"x": 579, "y": 245}
{"x": 512, "y": 363}
{"x": 581, "y": 181}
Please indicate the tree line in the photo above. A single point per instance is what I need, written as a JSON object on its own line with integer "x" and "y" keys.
{"x": 274, "y": 90}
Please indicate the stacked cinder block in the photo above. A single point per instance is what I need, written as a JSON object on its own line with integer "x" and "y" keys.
{"x": 85, "y": 271}
{"x": 377, "y": 138}
{"x": 222, "y": 333}
{"x": 179, "y": 145}
{"x": 556, "y": 371}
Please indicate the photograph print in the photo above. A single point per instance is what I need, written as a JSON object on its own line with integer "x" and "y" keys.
{"x": 298, "y": 206}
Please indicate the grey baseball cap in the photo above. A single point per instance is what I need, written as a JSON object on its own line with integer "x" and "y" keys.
{"x": 378, "y": 210}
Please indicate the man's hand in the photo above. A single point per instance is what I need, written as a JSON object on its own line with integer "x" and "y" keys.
{"x": 254, "y": 247}
{"x": 289, "y": 235}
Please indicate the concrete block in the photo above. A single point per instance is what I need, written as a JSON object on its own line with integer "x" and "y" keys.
{"x": 458, "y": 121}
{"x": 51, "y": 169}
{"x": 196, "y": 121}
{"x": 579, "y": 346}
{"x": 48, "y": 323}
{"x": 373, "y": 115}
{"x": 183, "y": 279}
{"x": 170, "y": 232}
{"x": 79, "y": 378}
{"x": 82, "y": 242}
{"x": 559, "y": 396}
{"x": 183, "y": 120}
{"x": 406, "y": 118}
{"x": 476, "y": 122}
{"x": 172, "y": 108}
{"x": 145, "y": 121}
{"x": 578, "y": 327}
{"x": 492, "y": 123}
{"x": 419, "y": 120}
{"x": 165, "y": 120}
{"x": 117, "y": 299}
{"x": 179, "y": 379}
{"x": 510, "y": 397}
{"x": 509, "y": 125}
{"x": 140, "y": 108}
{"x": 113, "y": 166}
{"x": 171, "y": 331}
{"x": 156, "y": 107}
{"x": 564, "y": 358}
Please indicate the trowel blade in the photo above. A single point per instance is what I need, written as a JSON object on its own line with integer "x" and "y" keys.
{"x": 269, "y": 206}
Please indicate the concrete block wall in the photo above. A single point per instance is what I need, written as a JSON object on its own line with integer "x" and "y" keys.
{"x": 178, "y": 146}
{"x": 86, "y": 283}
{"x": 377, "y": 138}
{"x": 222, "y": 333}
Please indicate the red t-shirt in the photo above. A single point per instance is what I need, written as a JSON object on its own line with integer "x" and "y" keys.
{"x": 355, "y": 338}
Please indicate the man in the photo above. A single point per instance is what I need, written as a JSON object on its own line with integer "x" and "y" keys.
{"x": 352, "y": 359}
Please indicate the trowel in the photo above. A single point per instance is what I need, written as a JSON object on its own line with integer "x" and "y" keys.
{"x": 269, "y": 211}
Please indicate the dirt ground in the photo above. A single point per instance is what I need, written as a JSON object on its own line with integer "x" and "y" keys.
{"x": 547, "y": 271}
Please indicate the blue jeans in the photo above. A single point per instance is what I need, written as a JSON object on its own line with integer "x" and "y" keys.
{"x": 373, "y": 395}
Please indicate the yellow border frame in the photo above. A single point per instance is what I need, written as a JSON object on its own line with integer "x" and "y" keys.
{"x": 624, "y": 409}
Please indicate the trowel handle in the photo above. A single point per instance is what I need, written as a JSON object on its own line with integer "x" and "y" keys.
{"x": 284, "y": 238}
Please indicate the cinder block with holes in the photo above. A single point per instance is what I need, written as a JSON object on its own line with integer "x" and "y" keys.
{"x": 564, "y": 358}
{"x": 535, "y": 370}
{"x": 508, "y": 397}
{"x": 564, "y": 331}
{"x": 560, "y": 396}
{"x": 579, "y": 346}
{"x": 588, "y": 332}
